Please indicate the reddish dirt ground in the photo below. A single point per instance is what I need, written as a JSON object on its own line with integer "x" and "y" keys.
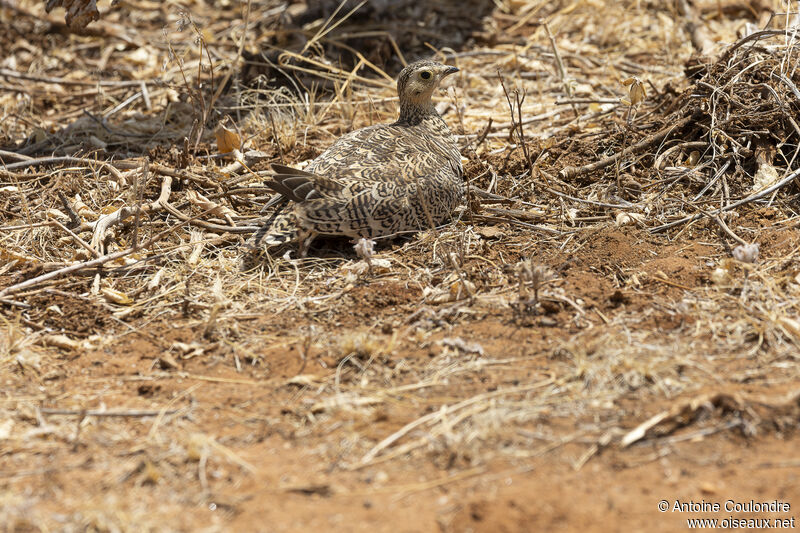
{"x": 316, "y": 395}
{"x": 288, "y": 465}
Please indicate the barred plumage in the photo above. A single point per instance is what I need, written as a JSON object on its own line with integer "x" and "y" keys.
{"x": 376, "y": 181}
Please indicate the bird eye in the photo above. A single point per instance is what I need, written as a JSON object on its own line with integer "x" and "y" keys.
{"x": 425, "y": 75}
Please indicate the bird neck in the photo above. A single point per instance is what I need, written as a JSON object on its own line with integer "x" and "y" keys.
{"x": 412, "y": 113}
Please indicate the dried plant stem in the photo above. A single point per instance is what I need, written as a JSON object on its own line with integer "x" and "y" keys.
{"x": 372, "y": 454}
{"x": 52, "y": 160}
{"x": 140, "y": 184}
{"x": 275, "y": 138}
{"x": 104, "y": 223}
{"x": 573, "y": 172}
{"x": 208, "y": 225}
{"x": 63, "y": 81}
{"x": 74, "y": 219}
{"x": 728, "y": 230}
{"x": 515, "y": 222}
{"x": 562, "y": 72}
{"x": 677, "y": 148}
{"x": 766, "y": 192}
{"x": 5, "y": 154}
{"x": 516, "y": 123}
{"x": 90, "y": 264}
{"x": 14, "y": 303}
{"x": 84, "y": 413}
{"x": 76, "y": 238}
{"x": 747, "y": 38}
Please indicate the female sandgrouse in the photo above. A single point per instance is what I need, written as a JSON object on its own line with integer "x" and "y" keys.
{"x": 376, "y": 181}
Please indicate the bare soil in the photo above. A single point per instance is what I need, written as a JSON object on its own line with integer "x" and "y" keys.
{"x": 429, "y": 392}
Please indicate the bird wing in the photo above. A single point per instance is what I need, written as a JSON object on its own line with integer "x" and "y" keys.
{"x": 376, "y": 153}
{"x": 388, "y": 153}
{"x": 300, "y": 186}
{"x": 374, "y": 210}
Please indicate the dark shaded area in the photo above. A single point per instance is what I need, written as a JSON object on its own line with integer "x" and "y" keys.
{"x": 415, "y": 26}
{"x": 377, "y": 30}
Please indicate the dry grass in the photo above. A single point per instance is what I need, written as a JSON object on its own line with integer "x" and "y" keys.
{"x": 579, "y": 295}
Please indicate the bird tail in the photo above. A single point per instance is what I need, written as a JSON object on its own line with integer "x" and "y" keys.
{"x": 279, "y": 230}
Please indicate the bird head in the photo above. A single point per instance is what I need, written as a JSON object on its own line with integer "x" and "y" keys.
{"x": 416, "y": 82}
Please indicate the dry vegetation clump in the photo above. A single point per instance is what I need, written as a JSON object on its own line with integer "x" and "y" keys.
{"x": 622, "y": 282}
{"x": 742, "y": 138}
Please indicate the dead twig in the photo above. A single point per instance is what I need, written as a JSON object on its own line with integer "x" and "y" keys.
{"x": 728, "y": 230}
{"x": 76, "y": 238}
{"x": 562, "y": 72}
{"x": 90, "y": 264}
{"x": 64, "y": 81}
{"x": 573, "y": 172}
{"x": 124, "y": 414}
{"x": 208, "y": 225}
{"x": 516, "y": 123}
{"x": 766, "y": 192}
{"x": 104, "y": 223}
{"x": 515, "y": 222}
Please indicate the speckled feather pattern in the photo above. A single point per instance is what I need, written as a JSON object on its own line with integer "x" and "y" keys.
{"x": 376, "y": 181}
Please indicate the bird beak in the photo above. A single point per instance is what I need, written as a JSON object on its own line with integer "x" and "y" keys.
{"x": 449, "y": 70}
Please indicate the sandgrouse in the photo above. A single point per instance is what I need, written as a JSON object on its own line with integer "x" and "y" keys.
{"x": 377, "y": 181}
